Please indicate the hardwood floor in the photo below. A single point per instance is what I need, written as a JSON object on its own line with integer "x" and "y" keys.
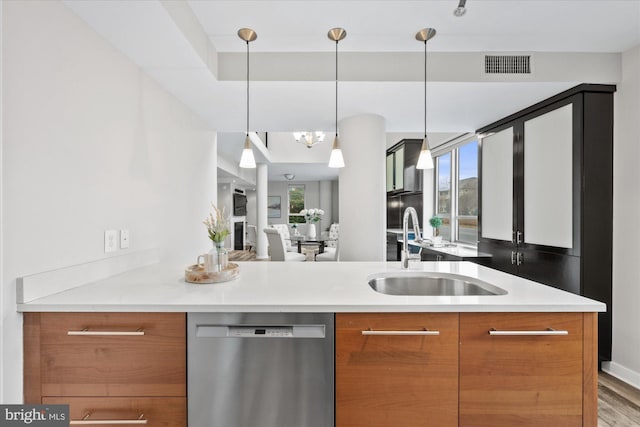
{"x": 618, "y": 403}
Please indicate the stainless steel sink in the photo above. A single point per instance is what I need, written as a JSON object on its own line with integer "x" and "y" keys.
{"x": 432, "y": 284}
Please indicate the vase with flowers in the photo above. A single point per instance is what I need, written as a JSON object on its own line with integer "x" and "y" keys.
{"x": 311, "y": 216}
{"x": 218, "y": 230}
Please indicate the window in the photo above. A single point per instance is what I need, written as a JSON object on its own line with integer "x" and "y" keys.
{"x": 457, "y": 193}
{"x": 467, "y": 220}
{"x": 295, "y": 203}
{"x": 444, "y": 193}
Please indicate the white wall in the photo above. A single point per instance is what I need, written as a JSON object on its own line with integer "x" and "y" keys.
{"x": 626, "y": 232}
{"x": 312, "y": 199}
{"x": 90, "y": 143}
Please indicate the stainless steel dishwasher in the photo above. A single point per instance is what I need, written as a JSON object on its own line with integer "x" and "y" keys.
{"x": 260, "y": 369}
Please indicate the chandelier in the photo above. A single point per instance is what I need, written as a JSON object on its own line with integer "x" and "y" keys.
{"x": 309, "y": 139}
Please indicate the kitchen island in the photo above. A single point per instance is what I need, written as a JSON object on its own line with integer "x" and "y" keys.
{"x": 527, "y": 357}
{"x": 303, "y": 287}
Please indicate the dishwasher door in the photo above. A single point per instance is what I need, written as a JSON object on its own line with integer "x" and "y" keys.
{"x": 260, "y": 369}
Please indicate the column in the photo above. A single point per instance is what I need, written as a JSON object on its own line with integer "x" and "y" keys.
{"x": 262, "y": 183}
{"x": 362, "y": 197}
{"x": 325, "y": 205}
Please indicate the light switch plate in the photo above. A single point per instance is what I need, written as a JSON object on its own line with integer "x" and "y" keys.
{"x": 124, "y": 239}
{"x": 110, "y": 240}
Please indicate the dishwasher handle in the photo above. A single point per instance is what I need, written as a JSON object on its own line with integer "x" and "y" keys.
{"x": 260, "y": 331}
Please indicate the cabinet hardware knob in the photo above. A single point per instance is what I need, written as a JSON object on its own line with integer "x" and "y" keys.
{"x": 513, "y": 257}
{"x": 423, "y": 332}
{"x": 519, "y": 258}
{"x": 519, "y": 237}
{"x": 87, "y": 332}
{"x": 548, "y": 331}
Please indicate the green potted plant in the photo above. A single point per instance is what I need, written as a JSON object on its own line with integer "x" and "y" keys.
{"x": 435, "y": 222}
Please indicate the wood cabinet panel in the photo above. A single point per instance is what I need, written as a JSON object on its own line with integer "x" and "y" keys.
{"x": 158, "y": 411}
{"x": 153, "y": 364}
{"x": 396, "y": 380}
{"x": 521, "y": 380}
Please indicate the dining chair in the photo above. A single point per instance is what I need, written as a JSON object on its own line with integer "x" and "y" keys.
{"x": 329, "y": 254}
{"x": 277, "y": 247}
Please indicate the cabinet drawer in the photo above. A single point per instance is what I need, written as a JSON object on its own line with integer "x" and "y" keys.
{"x": 396, "y": 379}
{"x": 157, "y": 411}
{"x": 113, "y": 354}
{"x": 518, "y": 377}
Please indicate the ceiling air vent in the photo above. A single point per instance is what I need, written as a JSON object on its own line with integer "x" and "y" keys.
{"x": 507, "y": 64}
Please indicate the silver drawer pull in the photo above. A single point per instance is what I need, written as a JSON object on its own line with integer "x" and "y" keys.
{"x": 86, "y": 421}
{"x": 548, "y": 331}
{"x": 423, "y": 332}
{"x": 87, "y": 332}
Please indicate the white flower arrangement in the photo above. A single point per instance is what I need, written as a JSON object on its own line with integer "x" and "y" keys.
{"x": 312, "y": 215}
{"x": 217, "y": 225}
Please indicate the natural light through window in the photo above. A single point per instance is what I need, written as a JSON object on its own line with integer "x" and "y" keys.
{"x": 295, "y": 203}
{"x": 457, "y": 193}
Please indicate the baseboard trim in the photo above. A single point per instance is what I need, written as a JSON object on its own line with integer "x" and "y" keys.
{"x": 622, "y": 373}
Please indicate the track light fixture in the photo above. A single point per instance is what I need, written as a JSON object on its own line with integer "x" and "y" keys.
{"x": 461, "y": 9}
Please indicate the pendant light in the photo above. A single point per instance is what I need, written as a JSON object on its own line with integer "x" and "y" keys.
{"x": 247, "y": 160}
{"x": 425, "y": 161}
{"x": 336, "y": 160}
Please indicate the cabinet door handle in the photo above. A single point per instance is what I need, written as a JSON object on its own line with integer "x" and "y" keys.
{"x": 86, "y": 421}
{"x": 519, "y": 258}
{"x": 423, "y": 332}
{"x": 87, "y": 332}
{"x": 513, "y": 257}
{"x": 548, "y": 331}
{"x": 518, "y": 237}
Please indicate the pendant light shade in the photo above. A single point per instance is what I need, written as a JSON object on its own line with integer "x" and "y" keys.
{"x": 336, "y": 160}
{"x": 247, "y": 160}
{"x": 425, "y": 161}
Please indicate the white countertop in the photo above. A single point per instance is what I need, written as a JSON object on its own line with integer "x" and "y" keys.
{"x": 453, "y": 249}
{"x": 303, "y": 287}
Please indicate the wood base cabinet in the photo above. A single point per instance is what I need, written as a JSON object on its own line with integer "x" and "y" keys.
{"x": 481, "y": 370}
{"x": 396, "y": 369}
{"x": 528, "y": 369}
{"x": 110, "y": 366}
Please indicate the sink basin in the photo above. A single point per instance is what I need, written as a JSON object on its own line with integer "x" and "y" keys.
{"x": 433, "y": 284}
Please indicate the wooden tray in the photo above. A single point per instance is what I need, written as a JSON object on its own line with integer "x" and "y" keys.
{"x": 197, "y": 274}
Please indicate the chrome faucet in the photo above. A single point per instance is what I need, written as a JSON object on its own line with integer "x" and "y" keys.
{"x": 405, "y": 234}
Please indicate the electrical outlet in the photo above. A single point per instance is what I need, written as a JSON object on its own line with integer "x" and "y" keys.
{"x": 110, "y": 240}
{"x": 124, "y": 239}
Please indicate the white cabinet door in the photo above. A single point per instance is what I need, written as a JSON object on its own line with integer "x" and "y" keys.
{"x": 548, "y": 179}
{"x": 497, "y": 185}
{"x": 390, "y": 185}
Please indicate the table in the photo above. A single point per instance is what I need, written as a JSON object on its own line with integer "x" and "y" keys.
{"x": 319, "y": 243}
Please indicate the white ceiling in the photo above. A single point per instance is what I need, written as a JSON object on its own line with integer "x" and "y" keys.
{"x": 389, "y": 26}
{"x": 186, "y": 47}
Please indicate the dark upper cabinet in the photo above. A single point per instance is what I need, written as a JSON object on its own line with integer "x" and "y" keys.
{"x": 402, "y": 175}
{"x": 546, "y": 195}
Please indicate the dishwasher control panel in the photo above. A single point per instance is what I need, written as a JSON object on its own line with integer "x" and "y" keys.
{"x": 257, "y": 331}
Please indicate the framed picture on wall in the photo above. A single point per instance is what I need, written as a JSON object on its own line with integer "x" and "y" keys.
{"x": 274, "y": 208}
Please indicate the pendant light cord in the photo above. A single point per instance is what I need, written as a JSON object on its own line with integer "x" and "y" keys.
{"x": 336, "y": 87}
{"x": 425, "y": 88}
{"x": 247, "y": 88}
